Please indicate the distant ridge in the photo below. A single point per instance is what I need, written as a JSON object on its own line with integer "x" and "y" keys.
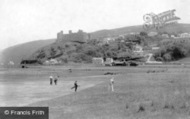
{"x": 174, "y": 28}
{"x": 115, "y": 32}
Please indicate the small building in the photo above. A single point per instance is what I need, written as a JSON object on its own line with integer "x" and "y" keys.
{"x": 138, "y": 49}
{"x": 11, "y": 63}
{"x": 152, "y": 34}
{"x": 155, "y": 48}
{"x": 185, "y": 35}
{"x": 108, "y": 62}
{"x": 173, "y": 36}
{"x": 98, "y": 60}
{"x": 107, "y": 40}
{"x": 165, "y": 35}
{"x": 133, "y": 33}
{"x": 51, "y": 62}
{"x": 46, "y": 62}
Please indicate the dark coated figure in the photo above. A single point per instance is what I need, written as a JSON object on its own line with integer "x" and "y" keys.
{"x": 75, "y": 86}
{"x": 56, "y": 80}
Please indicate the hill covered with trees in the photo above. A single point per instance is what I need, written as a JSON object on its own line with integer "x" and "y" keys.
{"x": 83, "y": 53}
{"x": 23, "y": 51}
{"x": 42, "y": 50}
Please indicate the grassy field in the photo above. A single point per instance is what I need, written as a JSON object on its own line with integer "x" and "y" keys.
{"x": 146, "y": 92}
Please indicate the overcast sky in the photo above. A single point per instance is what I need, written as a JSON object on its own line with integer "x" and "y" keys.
{"x": 28, "y": 20}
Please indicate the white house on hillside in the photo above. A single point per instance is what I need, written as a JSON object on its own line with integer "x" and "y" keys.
{"x": 185, "y": 35}
{"x": 152, "y": 33}
{"x": 51, "y": 62}
{"x": 138, "y": 49}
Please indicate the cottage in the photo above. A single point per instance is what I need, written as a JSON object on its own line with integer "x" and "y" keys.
{"x": 98, "y": 61}
{"x": 185, "y": 35}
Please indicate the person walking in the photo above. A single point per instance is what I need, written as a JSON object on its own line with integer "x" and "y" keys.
{"x": 51, "y": 80}
{"x": 75, "y": 86}
{"x": 56, "y": 80}
{"x": 112, "y": 84}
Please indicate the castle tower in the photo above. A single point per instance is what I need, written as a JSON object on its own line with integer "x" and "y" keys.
{"x": 70, "y": 31}
{"x": 60, "y": 36}
{"x": 80, "y": 31}
{"x": 80, "y": 36}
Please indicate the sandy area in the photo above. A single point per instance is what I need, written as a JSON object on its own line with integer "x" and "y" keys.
{"x": 21, "y": 94}
{"x": 21, "y": 90}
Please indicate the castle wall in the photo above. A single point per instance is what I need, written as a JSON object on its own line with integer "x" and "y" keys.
{"x": 80, "y": 36}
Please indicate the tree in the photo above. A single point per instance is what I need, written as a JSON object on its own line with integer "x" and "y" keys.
{"x": 167, "y": 57}
{"x": 173, "y": 50}
{"x": 93, "y": 42}
{"x": 124, "y": 54}
{"x": 142, "y": 33}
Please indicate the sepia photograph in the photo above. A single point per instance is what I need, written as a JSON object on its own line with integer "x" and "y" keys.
{"x": 94, "y": 59}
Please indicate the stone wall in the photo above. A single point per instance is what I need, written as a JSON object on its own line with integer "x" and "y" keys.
{"x": 79, "y": 36}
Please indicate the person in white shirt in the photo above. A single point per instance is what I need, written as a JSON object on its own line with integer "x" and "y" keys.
{"x": 51, "y": 80}
{"x": 112, "y": 84}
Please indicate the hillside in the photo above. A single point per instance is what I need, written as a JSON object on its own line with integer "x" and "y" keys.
{"x": 83, "y": 53}
{"x": 22, "y": 51}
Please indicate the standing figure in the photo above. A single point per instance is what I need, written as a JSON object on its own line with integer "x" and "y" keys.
{"x": 75, "y": 86}
{"x": 56, "y": 80}
{"x": 112, "y": 84}
{"x": 51, "y": 79}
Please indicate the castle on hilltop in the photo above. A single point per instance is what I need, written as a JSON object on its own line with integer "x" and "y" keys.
{"x": 80, "y": 37}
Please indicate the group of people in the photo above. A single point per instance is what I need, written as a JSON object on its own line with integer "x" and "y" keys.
{"x": 75, "y": 87}
{"x": 52, "y": 79}
{"x": 55, "y": 80}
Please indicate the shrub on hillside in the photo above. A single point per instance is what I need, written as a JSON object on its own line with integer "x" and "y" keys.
{"x": 64, "y": 58}
{"x": 80, "y": 58}
{"x": 172, "y": 51}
